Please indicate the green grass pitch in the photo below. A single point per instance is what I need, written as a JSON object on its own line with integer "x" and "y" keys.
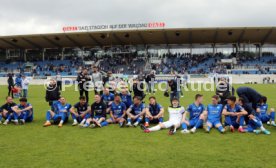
{"x": 32, "y": 145}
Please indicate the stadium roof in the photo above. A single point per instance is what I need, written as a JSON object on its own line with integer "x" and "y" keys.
{"x": 176, "y": 36}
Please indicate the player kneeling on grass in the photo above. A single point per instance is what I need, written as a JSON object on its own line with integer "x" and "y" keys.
{"x": 98, "y": 114}
{"x": 59, "y": 113}
{"x": 117, "y": 111}
{"x": 82, "y": 113}
{"x": 234, "y": 115}
{"x": 23, "y": 111}
{"x": 262, "y": 114}
{"x": 213, "y": 113}
{"x": 6, "y": 111}
{"x": 135, "y": 112}
{"x": 154, "y": 112}
{"x": 175, "y": 115}
{"x": 253, "y": 123}
{"x": 196, "y": 119}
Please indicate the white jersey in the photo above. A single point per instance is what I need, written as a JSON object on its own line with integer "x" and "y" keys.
{"x": 175, "y": 113}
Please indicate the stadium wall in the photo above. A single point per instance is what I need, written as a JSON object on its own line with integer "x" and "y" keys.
{"x": 236, "y": 79}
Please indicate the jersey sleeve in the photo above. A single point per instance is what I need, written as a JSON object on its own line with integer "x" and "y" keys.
{"x": 189, "y": 109}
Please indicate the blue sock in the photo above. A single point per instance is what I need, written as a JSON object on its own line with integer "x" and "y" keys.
{"x": 184, "y": 126}
{"x": 161, "y": 119}
{"x": 74, "y": 117}
{"x": 129, "y": 120}
{"x": 139, "y": 120}
{"x": 272, "y": 116}
{"x": 147, "y": 120}
{"x": 48, "y": 116}
{"x": 220, "y": 128}
{"x": 199, "y": 123}
{"x": 257, "y": 122}
{"x": 241, "y": 120}
{"x": 0, "y": 117}
{"x": 104, "y": 123}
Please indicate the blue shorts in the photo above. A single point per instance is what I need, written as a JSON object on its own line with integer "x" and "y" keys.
{"x": 213, "y": 122}
{"x": 264, "y": 118}
{"x": 193, "y": 122}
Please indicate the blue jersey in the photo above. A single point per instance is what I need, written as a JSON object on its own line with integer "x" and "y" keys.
{"x": 59, "y": 108}
{"x": 108, "y": 98}
{"x": 214, "y": 112}
{"x": 23, "y": 107}
{"x": 137, "y": 109}
{"x": 237, "y": 108}
{"x": 118, "y": 109}
{"x": 195, "y": 111}
{"x": 263, "y": 109}
{"x": 155, "y": 109}
{"x": 126, "y": 99}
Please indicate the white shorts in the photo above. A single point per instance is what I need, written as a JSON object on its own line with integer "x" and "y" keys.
{"x": 169, "y": 123}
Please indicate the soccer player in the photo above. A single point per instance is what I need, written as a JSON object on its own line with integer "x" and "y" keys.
{"x": 80, "y": 112}
{"x": 213, "y": 113}
{"x": 262, "y": 112}
{"x": 6, "y": 111}
{"x": 126, "y": 98}
{"x": 135, "y": 112}
{"x": 98, "y": 114}
{"x": 250, "y": 96}
{"x": 59, "y": 112}
{"x": 253, "y": 123}
{"x": 175, "y": 115}
{"x": 23, "y": 111}
{"x": 154, "y": 112}
{"x": 196, "y": 118}
{"x": 234, "y": 114}
{"x": 117, "y": 111}
{"x": 107, "y": 98}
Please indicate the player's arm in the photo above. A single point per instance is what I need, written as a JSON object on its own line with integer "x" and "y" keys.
{"x": 242, "y": 112}
{"x": 16, "y": 109}
{"x": 111, "y": 114}
{"x": 227, "y": 113}
{"x": 72, "y": 111}
{"x": 161, "y": 113}
{"x": 27, "y": 108}
{"x": 143, "y": 112}
{"x": 184, "y": 116}
{"x": 148, "y": 113}
{"x": 128, "y": 112}
{"x": 86, "y": 112}
{"x": 258, "y": 110}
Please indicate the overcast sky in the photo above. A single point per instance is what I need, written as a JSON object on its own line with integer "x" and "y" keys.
{"x": 48, "y": 16}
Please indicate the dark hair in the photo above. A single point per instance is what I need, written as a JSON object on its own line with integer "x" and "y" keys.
{"x": 232, "y": 98}
{"x": 215, "y": 97}
{"x": 264, "y": 99}
{"x": 117, "y": 95}
{"x": 242, "y": 100}
{"x": 7, "y": 97}
{"x": 23, "y": 99}
{"x": 97, "y": 94}
{"x": 137, "y": 97}
{"x": 152, "y": 97}
{"x": 82, "y": 98}
{"x": 198, "y": 96}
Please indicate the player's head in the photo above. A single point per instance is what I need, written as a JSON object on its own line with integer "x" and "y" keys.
{"x": 137, "y": 100}
{"x": 231, "y": 100}
{"x": 124, "y": 91}
{"x": 199, "y": 98}
{"x": 175, "y": 102}
{"x": 95, "y": 68}
{"x": 215, "y": 99}
{"x": 9, "y": 99}
{"x": 241, "y": 101}
{"x": 52, "y": 81}
{"x": 82, "y": 100}
{"x": 106, "y": 91}
{"x": 263, "y": 100}
{"x": 117, "y": 98}
{"x": 85, "y": 71}
{"x": 62, "y": 100}
{"x": 97, "y": 98}
{"x": 152, "y": 100}
{"x": 23, "y": 101}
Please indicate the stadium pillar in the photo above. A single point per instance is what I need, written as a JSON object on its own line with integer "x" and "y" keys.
{"x": 25, "y": 55}
{"x": 62, "y": 54}
{"x": 260, "y": 50}
{"x": 43, "y": 54}
{"x": 214, "y": 48}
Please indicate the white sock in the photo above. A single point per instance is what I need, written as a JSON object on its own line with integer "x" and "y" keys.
{"x": 262, "y": 128}
{"x": 83, "y": 121}
{"x": 272, "y": 122}
{"x": 156, "y": 128}
{"x": 61, "y": 121}
{"x": 75, "y": 120}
